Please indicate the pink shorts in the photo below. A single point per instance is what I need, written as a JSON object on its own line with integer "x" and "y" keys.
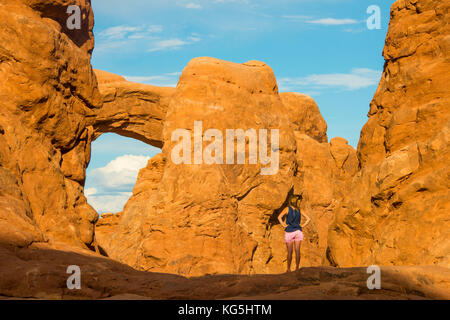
{"x": 293, "y": 236}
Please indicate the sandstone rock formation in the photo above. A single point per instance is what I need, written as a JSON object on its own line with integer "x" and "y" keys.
{"x": 319, "y": 169}
{"x": 51, "y": 112}
{"x": 397, "y": 211}
{"x": 325, "y": 172}
{"x": 305, "y": 115}
{"x": 210, "y": 218}
{"x": 214, "y": 206}
{"x": 131, "y": 109}
{"x": 47, "y": 92}
{"x": 385, "y": 204}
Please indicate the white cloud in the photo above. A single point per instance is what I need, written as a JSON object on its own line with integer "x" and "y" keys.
{"x": 354, "y": 30}
{"x": 105, "y": 46}
{"x": 110, "y": 186}
{"x": 109, "y": 203}
{"x": 155, "y": 28}
{"x": 120, "y": 173}
{"x": 123, "y": 36}
{"x": 117, "y": 32}
{"x": 169, "y": 44}
{"x": 358, "y": 78}
{"x": 296, "y": 17}
{"x": 232, "y": 1}
{"x": 165, "y": 80}
{"x": 322, "y": 21}
{"x": 193, "y": 5}
{"x": 123, "y": 31}
{"x": 90, "y": 191}
{"x": 174, "y": 74}
{"x": 194, "y": 38}
{"x": 333, "y": 22}
{"x": 143, "y": 38}
{"x": 174, "y": 44}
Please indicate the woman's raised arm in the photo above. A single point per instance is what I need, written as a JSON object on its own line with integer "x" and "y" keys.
{"x": 308, "y": 219}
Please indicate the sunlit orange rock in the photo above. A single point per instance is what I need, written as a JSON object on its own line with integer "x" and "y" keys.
{"x": 397, "y": 210}
{"x": 203, "y": 218}
{"x": 386, "y": 203}
{"x": 47, "y": 92}
{"x": 131, "y": 109}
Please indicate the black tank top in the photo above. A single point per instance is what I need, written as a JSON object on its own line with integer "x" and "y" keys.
{"x": 293, "y": 220}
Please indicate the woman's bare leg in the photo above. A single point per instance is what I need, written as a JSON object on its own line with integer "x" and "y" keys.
{"x": 289, "y": 247}
{"x": 297, "y": 254}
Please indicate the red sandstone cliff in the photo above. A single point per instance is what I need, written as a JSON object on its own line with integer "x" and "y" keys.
{"x": 397, "y": 211}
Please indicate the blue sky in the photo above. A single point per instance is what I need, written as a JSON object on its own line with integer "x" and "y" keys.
{"x": 322, "y": 48}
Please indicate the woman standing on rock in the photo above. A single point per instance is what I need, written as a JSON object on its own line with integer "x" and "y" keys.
{"x": 293, "y": 229}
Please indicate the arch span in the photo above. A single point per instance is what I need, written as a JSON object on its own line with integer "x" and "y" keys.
{"x": 130, "y": 109}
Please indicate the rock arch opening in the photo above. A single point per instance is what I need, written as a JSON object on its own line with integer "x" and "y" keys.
{"x": 113, "y": 170}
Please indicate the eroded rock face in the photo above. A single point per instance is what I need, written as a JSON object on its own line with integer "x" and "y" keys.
{"x": 131, "y": 109}
{"x": 51, "y": 111}
{"x": 305, "y": 115}
{"x": 209, "y": 218}
{"x": 110, "y": 239}
{"x": 214, "y": 218}
{"x": 47, "y": 92}
{"x": 324, "y": 173}
{"x": 397, "y": 211}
